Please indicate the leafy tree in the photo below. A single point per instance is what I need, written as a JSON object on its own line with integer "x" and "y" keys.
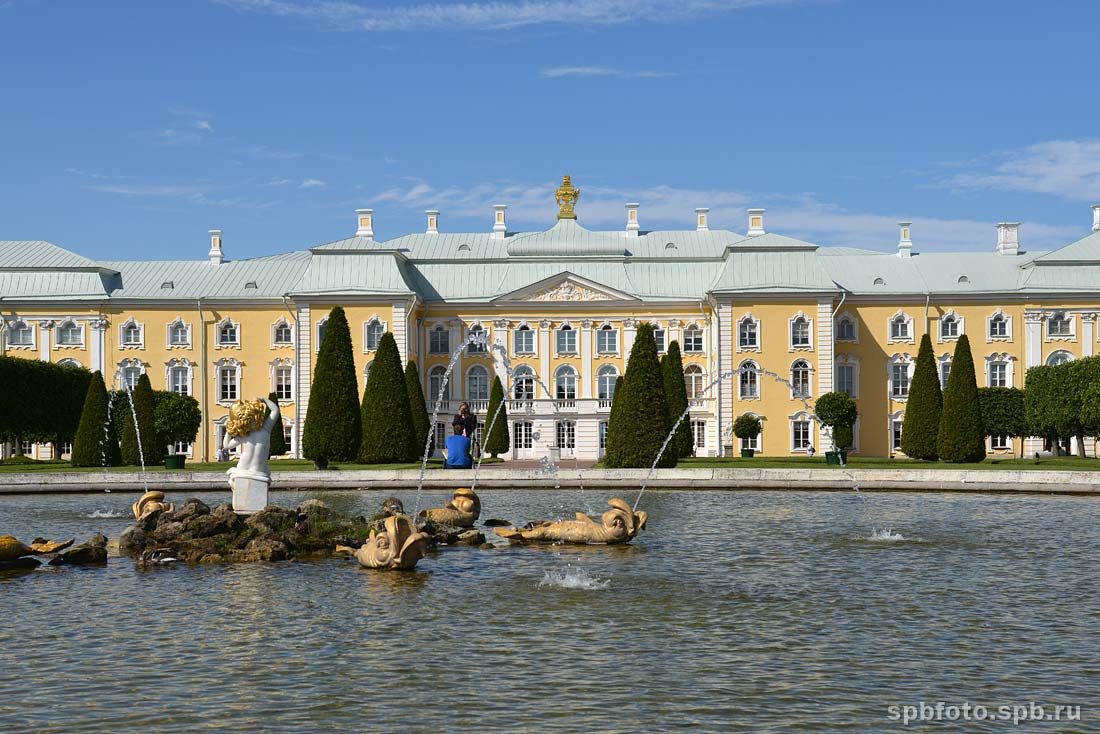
{"x": 388, "y": 433}
{"x": 1003, "y": 411}
{"x": 672, "y": 373}
{"x": 177, "y": 417}
{"x": 40, "y": 401}
{"x": 333, "y": 426}
{"x": 278, "y": 445}
{"x": 1051, "y": 403}
{"x": 747, "y": 426}
{"x": 641, "y": 422}
{"x": 151, "y": 450}
{"x": 838, "y": 411}
{"x": 921, "y": 427}
{"x": 422, "y": 422}
{"x": 497, "y": 440}
{"x": 961, "y": 437}
{"x": 93, "y": 444}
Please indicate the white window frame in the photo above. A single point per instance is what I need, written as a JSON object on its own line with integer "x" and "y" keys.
{"x": 849, "y": 361}
{"x": 960, "y": 327}
{"x": 285, "y": 363}
{"x": 798, "y": 419}
{"x": 601, "y": 436}
{"x": 989, "y": 336}
{"x": 908, "y": 321}
{"x": 222, "y": 367}
{"x": 379, "y": 323}
{"x": 845, "y": 316}
{"x": 1071, "y": 319}
{"x": 481, "y": 369}
{"x": 662, "y": 345}
{"x": 180, "y": 364}
{"x": 897, "y": 420}
{"x": 566, "y": 429}
{"x": 566, "y": 328}
{"x": 530, "y": 332}
{"x": 226, "y": 322}
{"x": 695, "y": 381}
{"x": 809, "y": 345}
{"x": 702, "y": 339}
{"x": 1050, "y": 360}
{"x": 443, "y": 333}
{"x": 437, "y": 372}
{"x": 606, "y": 332}
{"x": 809, "y": 379}
{"x": 749, "y": 365}
{"x": 282, "y": 321}
{"x": 606, "y": 376}
{"x": 1009, "y": 363}
{"x": 9, "y": 329}
{"x": 128, "y": 364}
{"x": 755, "y": 322}
{"x": 1001, "y": 444}
{"x": 698, "y": 430}
{"x": 565, "y": 371}
{"x": 319, "y": 332}
{"x": 899, "y": 360}
{"x": 755, "y": 444}
{"x": 478, "y": 328}
{"x": 127, "y": 325}
{"x": 80, "y": 330}
{"x": 178, "y": 321}
{"x": 944, "y": 360}
{"x": 525, "y": 373}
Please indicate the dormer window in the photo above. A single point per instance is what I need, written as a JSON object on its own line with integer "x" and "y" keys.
{"x": 167, "y": 285}
{"x": 670, "y": 246}
{"x": 880, "y": 281}
{"x": 463, "y": 248}
{"x": 566, "y": 340}
{"x": 963, "y": 280}
{"x": 251, "y": 285}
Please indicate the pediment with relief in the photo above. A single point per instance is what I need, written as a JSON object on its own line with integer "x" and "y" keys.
{"x": 567, "y": 288}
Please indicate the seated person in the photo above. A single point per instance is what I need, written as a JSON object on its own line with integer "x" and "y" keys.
{"x": 458, "y": 450}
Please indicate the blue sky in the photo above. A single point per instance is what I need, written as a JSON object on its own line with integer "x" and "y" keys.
{"x": 128, "y": 129}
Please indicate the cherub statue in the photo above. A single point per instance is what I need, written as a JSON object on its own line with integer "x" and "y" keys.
{"x": 397, "y": 547}
{"x": 618, "y": 525}
{"x": 462, "y": 510}
{"x": 249, "y": 427}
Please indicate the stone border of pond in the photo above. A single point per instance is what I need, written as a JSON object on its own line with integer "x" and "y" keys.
{"x": 878, "y": 480}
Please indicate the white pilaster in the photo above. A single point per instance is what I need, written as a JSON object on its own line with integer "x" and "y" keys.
{"x": 502, "y": 336}
{"x": 726, "y": 333}
{"x": 544, "y": 358}
{"x": 630, "y": 328}
{"x": 45, "y": 332}
{"x": 1033, "y": 338}
{"x": 1088, "y": 333}
{"x": 673, "y": 333}
{"x": 397, "y": 328}
{"x": 98, "y": 355}
{"x": 586, "y": 362}
{"x": 824, "y": 346}
{"x": 304, "y": 367}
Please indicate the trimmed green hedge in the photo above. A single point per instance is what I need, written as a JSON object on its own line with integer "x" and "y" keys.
{"x": 920, "y": 429}
{"x": 961, "y": 438}
{"x": 672, "y": 374}
{"x": 639, "y": 417}
{"x": 333, "y": 427}
{"x": 388, "y": 433}
{"x": 40, "y": 401}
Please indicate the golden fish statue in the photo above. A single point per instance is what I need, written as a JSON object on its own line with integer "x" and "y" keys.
{"x": 398, "y": 547}
{"x": 151, "y": 502}
{"x": 462, "y": 510}
{"x": 617, "y": 526}
{"x": 11, "y": 548}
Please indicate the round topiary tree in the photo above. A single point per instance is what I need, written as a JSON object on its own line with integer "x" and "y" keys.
{"x": 422, "y": 421}
{"x": 961, "y": 438}
{"x": 641, "y": 421}
{"x": 921, "y": 426}
{"x": 278, "y": 445}
{"x": 388, "y": 433}
{"x": 672, "y": 374}
{"x": 497, "y": 441}
{"x": 94, "y": 445}
{"x": 747, "y": 426}
{"x": 177, "y": 417}
{"x": 333, "y": 426}
{"x": 151, "y": 451}
{"x": 838, "y": 411}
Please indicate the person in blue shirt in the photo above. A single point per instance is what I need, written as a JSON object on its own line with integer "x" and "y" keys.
{"x": 458, "y": 450}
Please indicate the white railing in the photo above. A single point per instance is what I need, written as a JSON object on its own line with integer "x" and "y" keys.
{"x": 479, "y": 406}
{"x": 565, "y": 405}
{"x": 604, "y": 404}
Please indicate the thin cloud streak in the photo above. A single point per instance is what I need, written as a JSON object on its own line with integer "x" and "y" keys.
{"x": 563, "y": 71}
{"x": 1066, "y": 168}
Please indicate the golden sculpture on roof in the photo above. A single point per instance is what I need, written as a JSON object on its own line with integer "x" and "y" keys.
{"x": 567, "y": 196}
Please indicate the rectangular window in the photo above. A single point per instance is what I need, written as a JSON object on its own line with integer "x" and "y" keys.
{"x": 522, "y": 435}
{"x": 659, "y": 337}
{"x": 899, "y": 380}
{"x": 751, "y": 444}
{"x": 131, "y": 335}
{"x": 1000, "y": 443}
{"x": 476, "y": 347}
{"x": 998, "y": 327}
{"x": 181, "y": 447}
{"x": 227, "y": 334}
{"x": 177, "y": 336}
{"x": 899, "y": 329}
{"x": 525, "y": 341}
{"x": 846, "y": 379}
{"x": 1059, "y": 325}
{"x": 800, "y": 333}
{"x": 895, "y": 434}
{"x": 440, "y": 436}
{"x": 439, "y": 341}
{"x": 800, "y": 435}
{"x": 69, "y": 334}
{"x": 603, "y": 436}
{"x": 227, "y": 384}
{"x": 998, "y": 374}
{"x": 21, "y": 335}
{"x": 566, "y": 341}
{"x": 282, "y": 334}
{"x": 699, "y": 435}
{"x": 282, "y": 383}
{"x": 180, "y": 382}
{"x": 747, "y": 335}
{"x": 693, "y": 340}
{"x": 130, "y": 376}
{"x": 27, "y": 448}
{"x": 607, "y": 341}
{"x": 66, "y": 448}
{"x": 945, "y": 374}
{"x": 567, "y": 432}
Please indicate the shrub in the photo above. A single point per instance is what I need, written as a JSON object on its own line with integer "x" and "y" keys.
{"x": 333, "y": 425}
{"x": 497, "y": 440}
{"x": 388, "y": 434}
{"x": 422, "y": 422}
{"x": 40, "y": 401}
{"x": 278, "y": 445}
{"x": 747, "y": 426}
{"x": 151, "y": 450}
{"x": 921, "y": 427}
{"x": 1003, "y": 411}
{"x": 672, "y": 374}
{"x": 641, "y": 421}
{"x": 961, "y": 438}
{"x": 177, "y": 417}
{"x": 838, "y": 411}
{"x": 93, "y": 444}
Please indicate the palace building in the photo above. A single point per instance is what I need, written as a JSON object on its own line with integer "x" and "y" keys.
{"x": 787, "y": 320}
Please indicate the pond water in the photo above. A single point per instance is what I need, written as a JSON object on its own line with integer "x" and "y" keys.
{"x": 732, "y": 611}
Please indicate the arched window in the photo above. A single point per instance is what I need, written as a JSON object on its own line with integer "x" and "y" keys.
{"x": 748, "y": 387}
{"x": 523, "y": 386}
{"x": 282, "y": 334}
{"x": 693, "y": 381}
{"x": 1059, "y": 324}
{"x": 693, "y": 339}
{"x": 565, "y": 383}
{"x": 179, "y": 334}
{"x": 566, "y": 340}
{"x": 800, "y": 379}
{"x": 229, "y": 334}
{"x": 70, "y": 333}
{"x": 607, "y": 340}
{"x": 476, "y": 347}
{"x": 748, "y": 333}
{"x": 998, "y": 326}
{"x": 1059, "y": 357}
{"x": 179, "y": 376}
{"x": 322, "y": 327}
{"x": 477, "y": 383}
{"x": 899, "y": 328}
{"x": 131, "y": 333}
{"x": 20, "y": 334}
{"x": 373, "y": 334}
{"x": 800, "y": 332}
{"x": 439, "y": 340}
{"x": 436, "y": 386}
{"x": 70, "y": 363}
{"x": 129, "y": 371}
{"x": 366, "y": 372}
{"x": 605, "y": 382}
{"x": 525, "y": 340}
{"x": 845, "y": 329}
{"x": 949, "y": 326}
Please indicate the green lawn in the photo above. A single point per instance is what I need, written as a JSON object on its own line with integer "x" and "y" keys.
{"x": 10, "y": 467}
{"x": 877, "y": 462}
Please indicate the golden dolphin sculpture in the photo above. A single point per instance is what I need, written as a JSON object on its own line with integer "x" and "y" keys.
{"x": 399, "y": 546}
{"x": 463, "y": 510}
{"x": 150, "y": 502}
{"x": 11, "y": 548}
{"x": 618, "y": 525}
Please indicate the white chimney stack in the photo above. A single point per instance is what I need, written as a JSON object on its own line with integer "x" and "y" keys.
{"x": 1096, "y": 217}
{"x": 433, "y": 221}
{"x": 500, "y": 226}
{"x": 366, "y": 223}
{"x": 701, "y": 219}
{"x": 215, "y": 254}
{"x": 632, "y": 225}
{"x": 905, "y": 244}
{"x": 756, "y": 222}
{"x": 1008, "y": 238}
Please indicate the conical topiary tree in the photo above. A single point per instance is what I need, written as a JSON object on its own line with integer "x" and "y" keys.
{"x": 94, "y": 445}
{"x": 672, "y": 373}
{"x": 422, "y": 422}
{"x": 151, "y": 449}
{"x": 333, "y": 426}
{"x": 921, "y": 426}
{"x": 962, "y": 438}
{"x": 388, "y": 433}
{"x": 613, "y": 417}
{"x": 497, "y": 440}
{"x": 641, "y": 421}
{"x": 278, "y": 445}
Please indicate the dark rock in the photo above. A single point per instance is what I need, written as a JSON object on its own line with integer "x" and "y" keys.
{"x": 272, "y": 520}
{"x": 392, "y": 506}
{"x": 486, "y": 546}
{"x": 443, "y": 534}
{"x": 495, "y": 523}
{"x": 346, "y": 541}
{"x": 132, "y": 539}
{"x": 191, "y": 508}
{"x": 20, "y": 564}
{"x": 212, "y": 558}
{"x": 471, "y": 537}
{"x": 91, "y": 553}
{"x": 314, "y": 508}
{"x": 149, "y": 523}
{"x": 167, "y": 533}
{"x": 260, "y": 549}
{"x": 205, "y": 526}
{"x": 99, "y": 540}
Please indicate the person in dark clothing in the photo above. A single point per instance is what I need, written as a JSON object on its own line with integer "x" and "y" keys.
{"x": 458, "y": 450}
{"x": 466, "y": 418}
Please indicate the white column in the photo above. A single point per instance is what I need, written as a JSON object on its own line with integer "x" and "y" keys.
{"x": 630, "y": 328}
{"x": 824, "y": 346}
{"x": 586, "y": 361}
{"x": 304, "y": 368}
{"x": 726, "y": 332}
{"x": 501, "y": 336}
{"x": 544, "y": 356}
{"x": 397, "y": 328}
{"x": 45, "y": 330}
{"x": 1088, "y": 333}
{"x": 673, "y": 334}
{"x": 458, "y": 379}
{"x": 1033, "y": 338}
{"x": 98, "y": 355}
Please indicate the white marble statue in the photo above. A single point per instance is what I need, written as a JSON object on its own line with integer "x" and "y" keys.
{"x": 249, "y": 427}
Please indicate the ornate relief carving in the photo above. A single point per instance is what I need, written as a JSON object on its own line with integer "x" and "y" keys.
{"x": 568, "y": 291}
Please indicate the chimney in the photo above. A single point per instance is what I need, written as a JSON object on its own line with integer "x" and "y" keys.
{"x": 215, "y": 254}
{"x": 1096, "y": 217}
{"x": 500, "y": 226}
{"x": 756, "y": 222}
{"x": 433, "y": 221}
{"x": 1008, "y": 238}
{"x": 632, "y": 225}
{"x": 905, "y": 245}
{"x": 701, "y": 219}
{"x": 366, "y": 223}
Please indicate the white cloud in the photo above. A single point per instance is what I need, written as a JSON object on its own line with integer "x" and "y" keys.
{"x": 560, "y": 71}
{"x": 495, "y": 14}
{"x": 204, "y": 125}
{"x": 278, "y": 182}
{"x": 1066, "y": 168}
{"x": 311, "y": 183}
